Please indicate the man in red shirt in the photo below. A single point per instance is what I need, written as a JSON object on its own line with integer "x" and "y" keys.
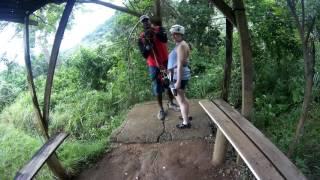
{"x": 153, "y": 46}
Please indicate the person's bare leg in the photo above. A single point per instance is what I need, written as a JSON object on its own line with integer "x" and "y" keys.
{"x": 184, "y": 106}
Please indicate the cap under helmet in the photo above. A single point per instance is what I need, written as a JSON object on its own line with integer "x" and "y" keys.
{"x": 177, "y": 29}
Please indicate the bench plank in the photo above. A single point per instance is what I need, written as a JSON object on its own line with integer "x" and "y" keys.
{"x": 260, "y": 166}
{"x": 37, "y": 161}
{"x": 282, "y": 163}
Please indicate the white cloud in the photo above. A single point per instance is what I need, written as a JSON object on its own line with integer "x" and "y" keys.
{"x": 86, "y": 20}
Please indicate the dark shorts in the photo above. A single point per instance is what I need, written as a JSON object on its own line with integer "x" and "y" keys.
{"x": 156, "y": 85}
{"x": 183, "y": 85}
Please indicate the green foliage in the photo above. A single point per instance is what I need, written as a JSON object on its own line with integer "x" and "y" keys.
{"x": 197, "y": 17}
{"x": 12, "y": 82}
{"x": 93, "y": 66}
{"x": 16, "y": 149}
{"x": 39, "y": 65}
{"x": 94, "y": 86}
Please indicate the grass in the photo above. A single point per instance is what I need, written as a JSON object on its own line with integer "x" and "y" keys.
{"x": 18, "y": 146}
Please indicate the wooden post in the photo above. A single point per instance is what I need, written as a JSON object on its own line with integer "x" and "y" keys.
{"x": 228, "y": 64}
{"x": 54, "y": 56}
{"x": 53, "y": 161}
{"x": 157, "y": 8}
{"x": 246, "y": 58}
{"x": 157, "y": 18}
{"x": 220, "y": 148}
{"x": 41, "y": 123}
{"x": 246, "y": 61}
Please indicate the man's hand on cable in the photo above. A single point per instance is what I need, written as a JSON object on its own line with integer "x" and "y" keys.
{"x": 148, "y": 46}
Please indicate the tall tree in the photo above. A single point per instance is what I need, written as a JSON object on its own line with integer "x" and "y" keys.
{"x": 305, "y": 23}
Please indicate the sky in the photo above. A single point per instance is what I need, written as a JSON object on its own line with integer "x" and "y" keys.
{"x": 86, "y": 21}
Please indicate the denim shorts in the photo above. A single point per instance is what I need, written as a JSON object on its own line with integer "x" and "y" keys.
{"x": 156, "y": 84}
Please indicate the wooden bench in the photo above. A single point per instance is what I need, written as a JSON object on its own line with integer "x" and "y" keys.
{"x": 262, "y": 157}
{"x": 42, "y": 155}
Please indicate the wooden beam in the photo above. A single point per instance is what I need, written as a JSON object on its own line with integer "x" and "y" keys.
{"x": 228, "y": 63}
{"x": 112, "y": 6}
{"x": 16, "y": 19}
{"x": 41, "y": 123}
{"x": 246, "y": 59}
{"x": 38, "y": 160}
{"x": 226, "y": 10}
{"x": 53, "y": 59}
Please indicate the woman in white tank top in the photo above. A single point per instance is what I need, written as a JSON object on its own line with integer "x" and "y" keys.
{"x": 178, "y": 66}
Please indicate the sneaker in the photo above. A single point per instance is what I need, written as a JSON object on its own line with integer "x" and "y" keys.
{"x": 173, "y": 107}
{"x": 161, "y": 115}
{"x": 190, "y": 118}
{"x": 183, "y": 126}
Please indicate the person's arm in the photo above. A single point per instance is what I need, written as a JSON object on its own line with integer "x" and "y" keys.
{"x": 162, "y": 35}
{"x": 181, "y": 56}
{"x": 144, "y": 48}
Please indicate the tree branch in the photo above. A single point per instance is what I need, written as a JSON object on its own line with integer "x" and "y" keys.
{"x": 292, "y": 7}
{"x": 226, "y": 10}
{"x": 112, "y": 6}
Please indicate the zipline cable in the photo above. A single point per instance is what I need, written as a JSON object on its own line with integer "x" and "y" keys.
{"x": 130, "y": 64}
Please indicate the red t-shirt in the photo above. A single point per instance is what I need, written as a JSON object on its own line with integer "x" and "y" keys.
{"x": 160, "y": 50}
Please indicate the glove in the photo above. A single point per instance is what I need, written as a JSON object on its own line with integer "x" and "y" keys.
{"x": 148, "y": 46}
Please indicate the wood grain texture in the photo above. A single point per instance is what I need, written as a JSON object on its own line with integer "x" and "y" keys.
{"x": 282, "y": 163}
{"x": 37, "y": 161}
{"x": 257, "y": 162}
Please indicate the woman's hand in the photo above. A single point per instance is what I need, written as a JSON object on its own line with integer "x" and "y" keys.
{"x": 177, "y": 85}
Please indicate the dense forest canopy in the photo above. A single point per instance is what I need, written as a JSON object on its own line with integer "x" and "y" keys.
{"x": 96, "y": 84}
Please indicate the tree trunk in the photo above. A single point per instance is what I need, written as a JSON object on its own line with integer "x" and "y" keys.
{"x": 228, "y": 64}
{"x": 308, "y": 48}
{"x": 309, "y": 61}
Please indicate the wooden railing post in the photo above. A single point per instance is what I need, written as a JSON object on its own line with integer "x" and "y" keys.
{"x": 53, "y": 58}
{"x": 246, "y": 59}
{"x": 40, "y": 122}
{"x": 228, "y": 63}
{"x": 53, "y": 161}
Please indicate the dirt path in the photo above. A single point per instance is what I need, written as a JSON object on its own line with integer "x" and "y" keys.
{"x": 184, "y": 160}
{"x": 148, "y": 149}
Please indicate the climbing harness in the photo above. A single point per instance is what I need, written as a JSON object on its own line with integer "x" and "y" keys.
{"x": 163, "y": 75}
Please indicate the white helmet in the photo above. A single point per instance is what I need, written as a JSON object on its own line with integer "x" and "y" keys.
{"x": 177, "y": 29}
{"x": 143, "y": 17}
